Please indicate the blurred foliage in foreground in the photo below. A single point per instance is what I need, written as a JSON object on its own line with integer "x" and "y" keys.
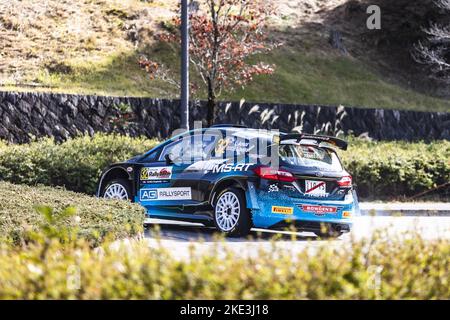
{"x": 57, "y": 261}
{"x": 382, "y": 268}
{"x": 381, "y": 170}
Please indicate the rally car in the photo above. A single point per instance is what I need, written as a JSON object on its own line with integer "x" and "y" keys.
{"x": 236, "y": 178}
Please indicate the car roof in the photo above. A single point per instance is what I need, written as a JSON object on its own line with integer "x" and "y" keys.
{"x": 246, "y": 133}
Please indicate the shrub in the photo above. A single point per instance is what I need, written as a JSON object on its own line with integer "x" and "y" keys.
{"x": 75, "y": 164}
{"x": 95, "y": 218}
{"x": 397, "y": 169}
{"x": 379, "y": 269}
{"x": 381, "y": 170}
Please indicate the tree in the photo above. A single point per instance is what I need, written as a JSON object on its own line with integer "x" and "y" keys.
{"x": 434, "y": 52}
{"x": 223, "y": 35}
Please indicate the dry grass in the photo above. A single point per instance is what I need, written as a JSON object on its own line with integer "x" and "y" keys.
{"x": 92, "y": 47}
{"x": 45, "y": 35}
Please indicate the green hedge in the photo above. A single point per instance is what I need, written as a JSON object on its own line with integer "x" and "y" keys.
{"x": 385, "y": 170}
{"x": 75, "y": 164}
{"x": 94, "y": 218}
{"x": 377, "y": 269}
{"x": 381, "y": 170}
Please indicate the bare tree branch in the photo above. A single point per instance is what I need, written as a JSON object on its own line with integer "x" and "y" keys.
{"x": 434, "y": 51}
{"x": 443, "y": 4}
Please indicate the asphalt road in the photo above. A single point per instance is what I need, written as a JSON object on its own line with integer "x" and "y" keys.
{"x": 178, "y": 238}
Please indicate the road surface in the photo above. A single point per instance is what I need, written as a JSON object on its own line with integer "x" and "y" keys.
{"x": 179, "y": 237}
{"x": 405, "y": 208}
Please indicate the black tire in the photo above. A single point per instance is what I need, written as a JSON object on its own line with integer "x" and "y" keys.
{"x": 243, "y": 225}
{"x": 122, "y": 182}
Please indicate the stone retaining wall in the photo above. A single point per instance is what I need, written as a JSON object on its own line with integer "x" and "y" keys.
{"x": 27, "y": 115}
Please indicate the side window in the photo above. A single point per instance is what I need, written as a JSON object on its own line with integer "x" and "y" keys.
{"x": 191, "y": 148}
{"x": 204, "y": 152}
{"x": 174, "y": 148}
{"x": 233, "y": 148}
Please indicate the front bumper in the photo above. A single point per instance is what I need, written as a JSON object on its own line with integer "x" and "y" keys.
{"x": 279, "y": 209}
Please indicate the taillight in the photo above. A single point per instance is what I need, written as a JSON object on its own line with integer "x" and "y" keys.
{"x": 274, "y": 174}
{"x": 345, "y": 181}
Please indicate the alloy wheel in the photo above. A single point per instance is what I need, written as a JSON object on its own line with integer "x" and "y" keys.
{"x": 116, "y": 191}
{"x": 227, "y": 211}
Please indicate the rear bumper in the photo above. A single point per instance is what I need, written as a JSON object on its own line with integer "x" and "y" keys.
{"x": 311, "y": 226}
{"x": 277, "y": 210}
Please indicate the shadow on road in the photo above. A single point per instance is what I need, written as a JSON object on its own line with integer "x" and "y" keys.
{"x": 188, "y": 232}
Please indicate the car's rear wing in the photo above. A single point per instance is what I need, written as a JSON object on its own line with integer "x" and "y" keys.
{"x": 341, "y": 144}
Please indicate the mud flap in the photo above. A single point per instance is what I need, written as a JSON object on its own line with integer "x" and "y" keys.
{"x": 251, "y": 197}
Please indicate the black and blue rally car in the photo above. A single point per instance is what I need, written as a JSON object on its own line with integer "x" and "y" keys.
{"x": 236, "y": 178}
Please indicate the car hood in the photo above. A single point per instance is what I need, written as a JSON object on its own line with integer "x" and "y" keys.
{"x": 133, "y": 160}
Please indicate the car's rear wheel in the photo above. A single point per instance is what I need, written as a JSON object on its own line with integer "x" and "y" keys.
{"x": 117, "y": 189}
{"x": 231, "y": 215}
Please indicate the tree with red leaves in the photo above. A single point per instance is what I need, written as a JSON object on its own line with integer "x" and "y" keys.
{"x": 223, "y": 35}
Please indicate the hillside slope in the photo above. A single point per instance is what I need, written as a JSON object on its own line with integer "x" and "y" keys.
{"x": 92, "y": 46}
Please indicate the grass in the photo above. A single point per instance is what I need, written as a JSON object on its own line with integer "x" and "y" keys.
{"x": 299, "y": 78}
{"x": 103, "y": 60}
{"x": 39, "y": 36}
{"x": 118, "y": 75}
{"x": 333, "y": 80}
{"x": 93, "y": 218}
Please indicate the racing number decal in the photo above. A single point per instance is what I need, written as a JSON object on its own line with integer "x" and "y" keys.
{"x": 221, "y": 146}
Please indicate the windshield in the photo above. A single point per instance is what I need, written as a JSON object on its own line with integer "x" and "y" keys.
{"x": 310, "y": 156}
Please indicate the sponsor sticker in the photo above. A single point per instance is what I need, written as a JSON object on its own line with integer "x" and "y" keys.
{"x": 318, "y": 210}
{"x": 219, "y": 168}
{"x": 148, "y": 194}
{"x": 282, "y": 210}
{"x": 204, "y": 165}
{"x": 165, "y": 194}
{"x": 156, "y": 173}
{"x": 232, "y": 144}
{"x": 347, "y": 214}
{"x": 239, "y": 147}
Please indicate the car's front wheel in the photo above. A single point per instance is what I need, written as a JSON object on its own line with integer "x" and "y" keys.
{"x": 118, "y": 189}
{"x": 231, "y": 215}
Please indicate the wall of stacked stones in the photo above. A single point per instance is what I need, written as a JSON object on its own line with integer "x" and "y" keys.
{"x": 25, "y": 116}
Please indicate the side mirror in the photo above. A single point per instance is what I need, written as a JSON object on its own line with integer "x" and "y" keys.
{"x": 169, "y": 158}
